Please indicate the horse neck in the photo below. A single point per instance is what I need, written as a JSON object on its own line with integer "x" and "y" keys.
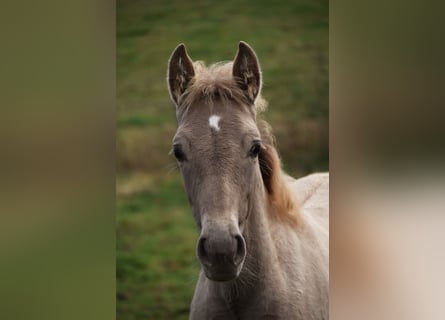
{"x": 258, "y": 235}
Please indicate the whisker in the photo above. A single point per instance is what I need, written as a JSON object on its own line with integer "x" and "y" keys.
{"x": 171, "y": 167}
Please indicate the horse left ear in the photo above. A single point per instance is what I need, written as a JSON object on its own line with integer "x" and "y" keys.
{"x": 246, "y": 70}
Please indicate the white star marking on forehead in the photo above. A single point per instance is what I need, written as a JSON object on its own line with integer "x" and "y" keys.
{"x": 214, "y": 122}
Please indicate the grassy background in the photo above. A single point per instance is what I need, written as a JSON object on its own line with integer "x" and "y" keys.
{"x": 156, "y": 264}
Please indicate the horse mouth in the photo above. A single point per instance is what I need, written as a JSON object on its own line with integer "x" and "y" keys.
{"x": 221, "y": 274}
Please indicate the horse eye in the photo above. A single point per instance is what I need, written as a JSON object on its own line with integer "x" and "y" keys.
{"x": 255, "y": 149}
{"x": 179, "y": 154}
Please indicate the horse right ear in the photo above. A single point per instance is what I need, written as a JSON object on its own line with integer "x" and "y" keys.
{"x": 180, "y": 72}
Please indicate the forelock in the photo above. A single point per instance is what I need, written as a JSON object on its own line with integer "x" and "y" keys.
{"x": 213, "y": 83}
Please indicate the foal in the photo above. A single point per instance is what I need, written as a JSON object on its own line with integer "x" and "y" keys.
{"x": 263, "y": 236}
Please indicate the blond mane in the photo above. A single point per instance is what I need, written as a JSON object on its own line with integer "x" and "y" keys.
{"x": 282, "y": 204}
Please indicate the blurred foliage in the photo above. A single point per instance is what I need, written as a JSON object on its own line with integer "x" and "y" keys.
{"x": 156, "y": 264}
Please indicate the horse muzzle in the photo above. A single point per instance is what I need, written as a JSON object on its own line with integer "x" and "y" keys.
{"x": 221, "y": 254}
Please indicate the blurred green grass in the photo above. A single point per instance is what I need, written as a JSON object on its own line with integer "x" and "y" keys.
{"x": 156, "y": 264}
{"x": 156, "y": 268}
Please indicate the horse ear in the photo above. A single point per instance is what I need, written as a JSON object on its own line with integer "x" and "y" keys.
{"x": 180, "y": 72}
{"x": 246, "y": 70}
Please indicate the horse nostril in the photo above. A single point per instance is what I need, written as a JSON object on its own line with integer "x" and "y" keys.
{"x": 201, "y": 248}
{"x": 240, "y": 248}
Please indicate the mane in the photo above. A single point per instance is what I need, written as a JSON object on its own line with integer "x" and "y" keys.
{"x": 216, "y": 82}
{"x": 282, "y": 204}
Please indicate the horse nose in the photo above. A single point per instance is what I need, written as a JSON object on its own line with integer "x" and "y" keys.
{"x": 216, "y": 249}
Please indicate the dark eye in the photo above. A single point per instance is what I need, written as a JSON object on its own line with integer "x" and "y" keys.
{"x": 179, "y": 154}
{"x": 255, "y": 149}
